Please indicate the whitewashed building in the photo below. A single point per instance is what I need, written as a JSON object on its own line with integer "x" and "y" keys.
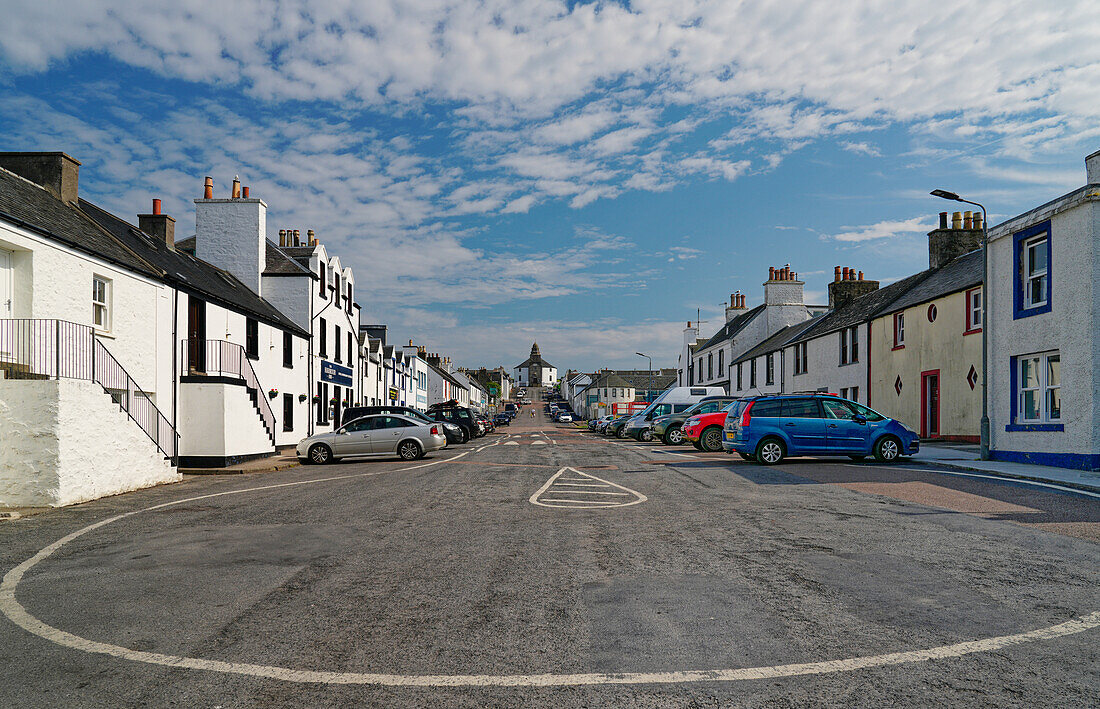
{"x": 1043, "y": 315}
{"x": 535, "y": 371}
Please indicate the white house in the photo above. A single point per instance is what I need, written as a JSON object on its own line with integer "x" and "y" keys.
{"x": 535, "y": 371}
{"x": 1043, "y": 318}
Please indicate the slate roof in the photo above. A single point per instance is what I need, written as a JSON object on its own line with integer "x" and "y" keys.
{"x": 778, "y": 340}
{"x": 958, "y": 274}
{"x": 635, "y": 380}
{"x": 534, "y": 360}
{"x": 730, "y": 329}
{"x": 186, "y": 272}
{"x": 31, "y": 206}
{"x": 861, "y": 309}
{"x": 278, "y": 263}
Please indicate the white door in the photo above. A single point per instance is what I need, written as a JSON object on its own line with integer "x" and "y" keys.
{"x": 6, "y": 287}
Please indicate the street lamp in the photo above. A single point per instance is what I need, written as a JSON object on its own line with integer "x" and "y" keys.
{"x": 986, "y": 300}
{"x": 650, "y": 365}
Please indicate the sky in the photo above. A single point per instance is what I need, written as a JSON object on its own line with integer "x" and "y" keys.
{"x": 585, "y": 175}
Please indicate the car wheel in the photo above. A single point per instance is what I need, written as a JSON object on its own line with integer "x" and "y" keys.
{"x": 409, "y": 450}
{"x": 747, "y": 456}
{"x": 646, "y": 435}
{"x": 711, "y": 439}
{"x": 463, "y": 437}
{"x": 622, "y": 433}
{"x": 674, "y": 436}
{"x": 857, "y": 457}
{"x": 770, "y": 451}
{"x": 319, "y": 454}
{"x": 698, "y": 444}
{"x": 887, "y": 449}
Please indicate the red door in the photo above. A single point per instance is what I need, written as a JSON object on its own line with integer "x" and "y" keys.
{"x": 930, "y": 404}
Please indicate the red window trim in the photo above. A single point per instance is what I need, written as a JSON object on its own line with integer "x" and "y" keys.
{"x": 896, "y": 345}
{"x": 966, "y": 312}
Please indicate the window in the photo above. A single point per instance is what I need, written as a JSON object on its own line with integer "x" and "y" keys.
{"x": 853, "y": 393}
{"x": 288, "y": 412}
{"x": 252, "y": 338}
{"x": 933, "y": 312}
{"x": 288, "y": 350}
{"x": 700, "y": 369}
{"x": 351, "y": 360}
{"x": 336, "y": 343}
{"x": 349, "y": 297}
{"x": 752, "y": 373}
{"x": 739, "y": 366}
{"x": 336, "y": 292}
{"x": 321, "y": 282}
{"x": 101, "y": 303}
{"x": 323, "y": 344}
{"x": 849, "y": 345}
{"x": 800, "y": 358}
{"x": 720, "y": 353}
{"x": 1039, "y": 388}
{"x": 769, "y": 369}
{"x": 800, "y": 409}
{"x": 1033, "y": 260}
{"x": 771, "y": 408}
{"x": 899, "y": 330}
{"x": 973, "y": 311}
{"x": 710, "y": 366}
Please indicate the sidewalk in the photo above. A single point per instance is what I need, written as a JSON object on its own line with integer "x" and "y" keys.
{"x": 280, "y": 461}
{"x": 967, "y": 457}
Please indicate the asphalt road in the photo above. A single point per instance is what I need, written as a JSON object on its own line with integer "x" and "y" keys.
{"x": 638, "y": 569}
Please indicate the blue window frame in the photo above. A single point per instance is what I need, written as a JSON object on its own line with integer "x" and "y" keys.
{"x": 1033, "y": 285}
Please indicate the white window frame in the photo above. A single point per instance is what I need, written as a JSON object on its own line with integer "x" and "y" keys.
{"x": 899, "y": 329}
{"x": 1043, "y": 388}
{"x": 101, "y": 304}
{"x": 1042, "y": 241}
{"x": 974, "y": 313}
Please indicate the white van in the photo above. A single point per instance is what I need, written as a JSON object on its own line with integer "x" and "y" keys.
{"x": 671, "y": 401}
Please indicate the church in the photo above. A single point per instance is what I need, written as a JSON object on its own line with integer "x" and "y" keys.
{"x": 535, "y": 371}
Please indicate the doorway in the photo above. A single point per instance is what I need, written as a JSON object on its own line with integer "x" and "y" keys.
{"x": 7, "y": 290}
{"x": 196, "y": 335}
{"x": 930, "y": 404}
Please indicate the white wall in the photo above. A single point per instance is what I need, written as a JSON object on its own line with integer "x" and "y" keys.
{"x": 218, "y": 419}
{"x": 66, "y": 441}
{"x": 231, "y": 234}
{"x": 824, "y": 370}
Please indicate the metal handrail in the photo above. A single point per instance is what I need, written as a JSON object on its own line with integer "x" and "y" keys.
{"x": 58, "y": 349}
{"x": 223, "y": 358}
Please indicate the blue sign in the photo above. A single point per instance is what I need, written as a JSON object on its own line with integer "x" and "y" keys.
{"x": 336, "y": 374}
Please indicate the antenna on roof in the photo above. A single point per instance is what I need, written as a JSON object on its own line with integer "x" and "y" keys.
{"x": 698, "y": 317}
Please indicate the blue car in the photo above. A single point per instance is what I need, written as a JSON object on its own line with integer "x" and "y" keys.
{"x": 767, "y": 429}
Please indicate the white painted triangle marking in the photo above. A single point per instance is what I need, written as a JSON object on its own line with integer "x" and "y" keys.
{"x": 549, "y": 500}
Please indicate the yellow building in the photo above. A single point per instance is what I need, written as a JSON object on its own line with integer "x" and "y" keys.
{"x": 926, "y": 352}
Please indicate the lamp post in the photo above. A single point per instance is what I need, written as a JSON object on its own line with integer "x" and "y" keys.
{"x": 986, "y": 300}
{"x": 650, "y": 365}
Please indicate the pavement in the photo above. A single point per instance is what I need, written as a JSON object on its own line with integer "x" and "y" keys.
{"x": 284, "y": 458}
{"x": 967, "y": 457}
{"x": 547, "y": 567}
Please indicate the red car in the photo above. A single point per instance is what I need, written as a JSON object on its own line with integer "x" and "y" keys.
{"x": 704, "y": 431}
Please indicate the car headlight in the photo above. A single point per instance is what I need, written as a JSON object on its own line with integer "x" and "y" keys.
{"x": 691, "y": 422}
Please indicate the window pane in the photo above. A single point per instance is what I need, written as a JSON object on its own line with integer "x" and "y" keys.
{"x": 1054, "y": 370}
{"x": 1037, "y": 256}
{"x": 801, "y": 408}
{"x": 766, "y": 408}
{"x": 1031, "y": 405}
{"x": 1054, "y": 404}
{"x": 1029, "y": 372}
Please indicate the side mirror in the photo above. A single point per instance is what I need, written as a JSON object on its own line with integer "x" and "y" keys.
{"x": 859, "y": 419}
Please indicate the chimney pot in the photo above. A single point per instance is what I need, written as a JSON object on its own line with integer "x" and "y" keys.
{"x": 246, "y": 192}
{"x": 282, "y": 237}
{"x": 977, "y": 220}
{"x": 156, "y": 206}
{"x": 861, "y": 275}
{"x": 208, "y": 188}
{"x": 836, "y": 273}
{"x": 771, "y": 273}
{"x": 844, "y": 274}
{"x": 968, "y": 220}
{"x": 296, "y": 237}
{"x": 956, "y": 220}
{"x": 943, "y": 220}
{"x": 235, "y": 193}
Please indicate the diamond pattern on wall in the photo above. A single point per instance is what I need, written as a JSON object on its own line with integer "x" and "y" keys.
{"x": 897, "y": 385}
{"x": 972, "y": 378}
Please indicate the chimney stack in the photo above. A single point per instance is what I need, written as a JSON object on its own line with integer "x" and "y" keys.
{"x": 236, "y": 191}
{"x": 246, "y": 192}
{"x": 57, "y": 173}
{"x": 208, "y": 188}
{"x": 159, "y": 225}
{"x": 946, "y": 243}
{"x": 296, "y": 239}
{"x": 282, "y": 237}
{"x": 311, "y": 237}
{"x": 232, "y": 234}
{"x": 1092, "y": 168}
{"x": 847, "y": 285}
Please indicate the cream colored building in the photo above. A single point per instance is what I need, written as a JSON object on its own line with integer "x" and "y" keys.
{"x": 926, "y": 346}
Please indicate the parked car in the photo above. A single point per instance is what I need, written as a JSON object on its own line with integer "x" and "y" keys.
{"x": 452, "y": 412}
{"x": 767, "y": 429}
{"x": 668, "y": 428}
{"x": 601, "y": 423}
{"x": 704, "y": 431}
{"x": 565, "y": 417}
{"x": 614, "y": 426}
{"x": 383, "y": 434}
{"x": 454, "y": 433}
{"x": 502, "y": 420}
{"x": 672, "y": 400}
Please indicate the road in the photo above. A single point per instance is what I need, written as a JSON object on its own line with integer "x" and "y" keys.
{"x": 546, "y": 567}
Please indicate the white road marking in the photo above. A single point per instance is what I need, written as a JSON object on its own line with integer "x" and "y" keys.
{"x": 551, "y": 487}
{"x": 538, "y": 443}
{"x": 1021, "y": 481}
{"x": 589, "y": 492}
{"x": 15, "y": 612}
{"x": 510, "y": 443}
{"x": 559, "y": 483}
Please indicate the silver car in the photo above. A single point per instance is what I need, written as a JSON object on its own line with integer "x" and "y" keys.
{"x": 383, "y": 434}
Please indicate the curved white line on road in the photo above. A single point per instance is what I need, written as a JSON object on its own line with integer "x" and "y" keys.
{"x": 19, "y": 615}
{"x": 1003, "y": 479}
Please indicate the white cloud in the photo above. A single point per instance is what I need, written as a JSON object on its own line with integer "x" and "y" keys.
{"x": 882, "y": 230}
{"x": 861, "y": 149}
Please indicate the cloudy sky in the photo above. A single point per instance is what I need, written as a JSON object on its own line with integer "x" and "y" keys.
{"x": 584, "y": 174}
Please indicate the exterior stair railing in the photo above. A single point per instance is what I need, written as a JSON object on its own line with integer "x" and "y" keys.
{"x": 58, "y": 349}
{"x": 227, "y": 359}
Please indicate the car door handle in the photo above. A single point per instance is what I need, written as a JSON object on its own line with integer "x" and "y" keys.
{"x": 788, "y": 424}
{"x": 832, "y": 425}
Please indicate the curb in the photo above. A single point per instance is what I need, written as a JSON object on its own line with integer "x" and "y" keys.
{"x": 238, "y": 471}
{"x": 1013, "y": 476}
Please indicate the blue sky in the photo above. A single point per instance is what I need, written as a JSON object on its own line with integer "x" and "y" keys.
{"x": 582, "y": 174}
